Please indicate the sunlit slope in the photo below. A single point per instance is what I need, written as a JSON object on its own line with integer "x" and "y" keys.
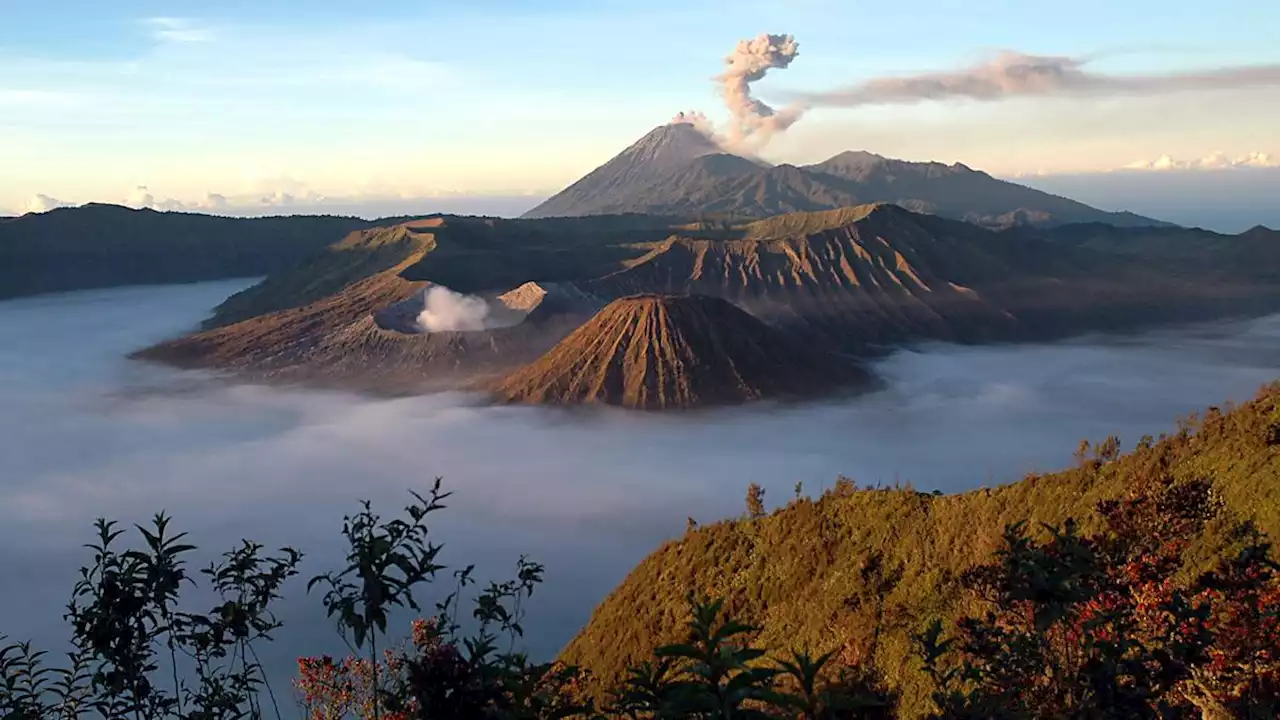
{"x": 878, "y": 274}
{"x": 654, "y": 352}
{"x": 805, "y": 574}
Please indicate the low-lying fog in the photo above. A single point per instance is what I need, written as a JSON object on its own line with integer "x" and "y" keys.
{"x": 86, "y": 433}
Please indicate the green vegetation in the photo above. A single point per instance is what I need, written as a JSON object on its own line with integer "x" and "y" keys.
{"x": 859, "y": 571}
{"x": 1154, "y": 596}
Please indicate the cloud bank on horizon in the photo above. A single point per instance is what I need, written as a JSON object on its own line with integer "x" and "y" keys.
{"x": 1215, "y": 161}
{"x": 1009, "y": 74}
{"x": 303, "y": 200}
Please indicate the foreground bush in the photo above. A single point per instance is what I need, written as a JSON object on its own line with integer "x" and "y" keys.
{"x": 1108, "y": 625}
{"x": 1105, "y": 626}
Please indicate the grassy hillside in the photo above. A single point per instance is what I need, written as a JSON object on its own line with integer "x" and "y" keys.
{"x": 98, "y": 246}
{"x": 822, "y": 573}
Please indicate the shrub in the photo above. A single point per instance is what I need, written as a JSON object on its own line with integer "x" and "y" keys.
{"x": 1105, "y": 625}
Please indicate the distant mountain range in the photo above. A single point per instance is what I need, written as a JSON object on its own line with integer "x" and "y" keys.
{"x": 677, "y": 171}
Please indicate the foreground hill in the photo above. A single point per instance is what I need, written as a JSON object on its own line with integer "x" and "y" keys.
{"x": 676, "y": 171}
{"x": 653, "y": 352}
{"x": 98, "y": 246}
{"x": 857, "y": 571}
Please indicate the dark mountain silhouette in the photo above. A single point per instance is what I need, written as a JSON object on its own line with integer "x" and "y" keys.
{"x": 97, "y": 246}
{"x": 676, "y": 171}
{"x": 654, "y": 352}
{"x": 1194, "y": 253}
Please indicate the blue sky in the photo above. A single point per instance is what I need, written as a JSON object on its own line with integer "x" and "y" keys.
{"x": 270, "y": 103}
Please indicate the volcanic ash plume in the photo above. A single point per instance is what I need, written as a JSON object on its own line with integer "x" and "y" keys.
{"x": 1014, "y": 74}
{"x": 444, "y": 310}
{"x": 698, "y": 120}
{"x": 752, "y": 121}
{"x": 1006, "y": 75}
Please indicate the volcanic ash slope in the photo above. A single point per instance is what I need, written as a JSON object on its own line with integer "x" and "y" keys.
{"x": 654, "y": 352}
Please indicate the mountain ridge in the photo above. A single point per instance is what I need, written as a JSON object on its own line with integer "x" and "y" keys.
{"x": 857, "y": 281}
{"x": 659, "y": 176}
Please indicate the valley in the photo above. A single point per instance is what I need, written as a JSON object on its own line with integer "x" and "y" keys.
{"x": 91, "y": 433}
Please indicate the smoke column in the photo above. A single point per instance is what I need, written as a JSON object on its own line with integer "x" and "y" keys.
{"x": 1008, "y": 74}
{"x": 1013, "y": 74}
{"x": 752, "y": 121}
{"x": 444, "y": 310}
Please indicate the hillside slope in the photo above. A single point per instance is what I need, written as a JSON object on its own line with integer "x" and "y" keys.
{"x": 97, "y": 246}
{"x": 804, "y": 573}
{"x": 878, "y": 274}
{"x": 653, "y": 352}
{"x": 467, "y": 254}
{"x": 665, "y": 151}
{"x": 676, "y": 171}
{"x": 365, "y": 337}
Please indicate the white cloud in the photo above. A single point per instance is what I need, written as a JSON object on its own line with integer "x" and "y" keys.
{"x": 288, "y": 193}
{"x": 41, "y": 203}
{"x": 287, "y": 196}
{"x": 178, "y": 30}
{"x": 140, "y": 198}
{"x": 1214, "y": 161}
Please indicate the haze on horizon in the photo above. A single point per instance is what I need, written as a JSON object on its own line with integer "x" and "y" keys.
{"x": 242, "y": 109}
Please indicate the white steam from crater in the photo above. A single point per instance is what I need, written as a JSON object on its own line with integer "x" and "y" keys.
{"x": 444, "y": 310}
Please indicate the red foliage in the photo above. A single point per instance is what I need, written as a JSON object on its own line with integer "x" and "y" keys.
{"x": 1109, "y": 626}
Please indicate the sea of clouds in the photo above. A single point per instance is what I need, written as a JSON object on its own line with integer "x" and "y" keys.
{"x": 88, "y": 434}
